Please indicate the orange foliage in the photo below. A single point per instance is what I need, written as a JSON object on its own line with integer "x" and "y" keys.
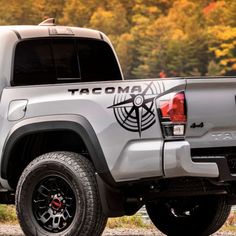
{"x": 211, "y": 7}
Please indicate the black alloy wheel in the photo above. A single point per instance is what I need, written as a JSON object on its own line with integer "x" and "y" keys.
{"x": 54, "y": 204}
{"x": 57, "y": 195}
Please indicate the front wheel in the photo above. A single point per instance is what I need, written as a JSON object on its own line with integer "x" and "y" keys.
{"x": 195, "y": 216}
{"x": 57, "y": 195}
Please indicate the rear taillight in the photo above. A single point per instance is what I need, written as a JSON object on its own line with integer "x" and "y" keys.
{"x": 177, "y": 108}
{"x": 173, "y": 114}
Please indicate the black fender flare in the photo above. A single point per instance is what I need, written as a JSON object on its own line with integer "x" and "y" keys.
{"x": 76, "y": 123}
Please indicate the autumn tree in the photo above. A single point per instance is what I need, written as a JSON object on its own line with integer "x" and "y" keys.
{"x": 174, "y": 37}
{"x": 220, "y": 18}
{"x": 42, "y": 9}
{"x": 79, "y": 12}
{"x": 175, "y": 43}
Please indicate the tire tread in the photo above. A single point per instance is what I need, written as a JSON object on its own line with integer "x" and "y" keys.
{"x": 95, "y": 220}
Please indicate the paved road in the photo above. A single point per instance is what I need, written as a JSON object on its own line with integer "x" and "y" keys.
{"x": 14, "y": 230}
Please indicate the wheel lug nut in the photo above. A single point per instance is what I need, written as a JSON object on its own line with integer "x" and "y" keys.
{"x": 54, "y": 212}
{"x": 64, "y": 201}
{"x": 58, "y": 194}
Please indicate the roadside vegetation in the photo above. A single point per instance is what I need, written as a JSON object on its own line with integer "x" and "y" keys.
{"x": 135, "y": 221}
{"x": 230, "y": 224}
{"x": 8, "y": 215}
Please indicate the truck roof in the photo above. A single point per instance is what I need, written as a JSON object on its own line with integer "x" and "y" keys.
{"x": 35, "y": 31}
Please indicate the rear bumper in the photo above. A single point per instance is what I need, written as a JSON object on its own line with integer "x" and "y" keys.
{"x": 221, "y": 162}
{"x": 157, "y": 159}
{"x": 177, "y": 162}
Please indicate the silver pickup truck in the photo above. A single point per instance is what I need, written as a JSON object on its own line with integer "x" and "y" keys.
{"x": 80, "y": 144}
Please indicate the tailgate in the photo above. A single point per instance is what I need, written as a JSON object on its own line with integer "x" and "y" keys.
{"x": 211, "y": 107}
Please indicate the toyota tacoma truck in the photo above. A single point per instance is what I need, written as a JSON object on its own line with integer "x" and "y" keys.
{"x": 80, "y": 144}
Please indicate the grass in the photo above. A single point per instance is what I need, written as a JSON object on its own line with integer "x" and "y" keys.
{"x": 230, "y": 228}
{"x": 230, "y": 224}
{"x": 7, "y": 214}
{"x": 135, "y": 221}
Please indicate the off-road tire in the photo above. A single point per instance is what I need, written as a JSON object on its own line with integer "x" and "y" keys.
{"x": 195, "y": 216}
{"x": 76, "y": 171}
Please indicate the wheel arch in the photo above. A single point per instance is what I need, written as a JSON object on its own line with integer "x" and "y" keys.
{"x": 74, "y": 123}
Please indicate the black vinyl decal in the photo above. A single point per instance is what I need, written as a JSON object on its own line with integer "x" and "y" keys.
{"x": 135, "y": 111}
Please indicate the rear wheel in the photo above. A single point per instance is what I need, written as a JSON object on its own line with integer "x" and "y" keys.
{"x": 57, "y": 195}
{"x": 195, "y": 216}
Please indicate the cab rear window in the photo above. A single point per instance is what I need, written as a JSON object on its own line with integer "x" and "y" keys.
{"x": 63, "y": 60}
{"x": 97, "y": 61}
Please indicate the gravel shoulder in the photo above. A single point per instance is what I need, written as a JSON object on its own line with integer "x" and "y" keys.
{"x": 14, "y": 230}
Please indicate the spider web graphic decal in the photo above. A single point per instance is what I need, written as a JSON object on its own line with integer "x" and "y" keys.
{"x": 135, "y": 112}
